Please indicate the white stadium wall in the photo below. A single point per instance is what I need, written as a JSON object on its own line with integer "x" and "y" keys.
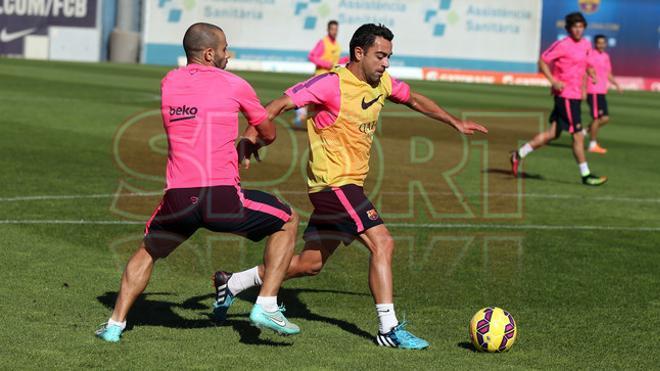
{"x": 277, "y": 34}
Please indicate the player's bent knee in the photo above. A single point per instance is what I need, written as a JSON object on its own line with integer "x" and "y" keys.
{"x": 604, "y": 120}
{"x": 308, "y": 267}
{"x": 313, "y": 269}
{"x": 385, "y": 247}
{"x": 294, "y": 219}
{"x": 549, "y": 136}
{"x": 144, "y": 255}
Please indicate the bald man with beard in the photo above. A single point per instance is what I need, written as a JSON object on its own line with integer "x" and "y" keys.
{"x": 200, "y": 104}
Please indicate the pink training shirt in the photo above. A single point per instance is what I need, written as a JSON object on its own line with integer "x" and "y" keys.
{"x": 323, "y": 91}
{"x": 200, "y": 106}
{"x": 316, "y": 56}
{"x": 600, "y": 61}
{"x": 568, "y": 61}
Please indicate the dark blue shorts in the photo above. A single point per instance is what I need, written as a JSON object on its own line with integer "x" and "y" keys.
{"x": 597, "y": 105}
{"x": 341, "y": 213}
{"x": 567, "y": 114}
{"x": 229, "y": 209}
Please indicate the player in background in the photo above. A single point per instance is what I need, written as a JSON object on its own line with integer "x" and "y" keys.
{"x": 200, "y": 104}
{"x": 325, "y": 55}
{"x": 565, "y": 64}
{"x": 349, "y": 101}
{"x": 599, "y": 60}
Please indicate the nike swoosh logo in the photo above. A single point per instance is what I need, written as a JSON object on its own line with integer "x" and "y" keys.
{"x": 6, "y": 37}
{"x": 277, "y": 321}
{"x": 368, "y": 104}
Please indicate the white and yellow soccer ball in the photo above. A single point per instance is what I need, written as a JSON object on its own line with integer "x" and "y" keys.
{"x": 493, "y": 330}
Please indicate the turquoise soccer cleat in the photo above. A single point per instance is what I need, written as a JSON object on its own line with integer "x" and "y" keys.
{"x": 223, "y": 297}
{"x": 273, "y": 321}
{"x": 109, "y": 333}
{"x": 398, "y": 337}
{"x": 594, "y": 180}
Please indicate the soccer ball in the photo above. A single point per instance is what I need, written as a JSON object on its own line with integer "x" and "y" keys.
{"x": 493, "y": 330}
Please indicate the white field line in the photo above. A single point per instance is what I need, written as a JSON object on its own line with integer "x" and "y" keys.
{"x": 393, "y": 225}
{"x": 512, "y": 195}
{"x": 70, "y": 221}
{"x": 75, "y": 197}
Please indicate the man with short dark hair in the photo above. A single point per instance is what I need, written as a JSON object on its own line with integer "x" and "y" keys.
{"x": 200, "y": 104}
{"x": 564, "y": 64}
{"x": 599, "y": 60}
{"x": 340, "y": 136}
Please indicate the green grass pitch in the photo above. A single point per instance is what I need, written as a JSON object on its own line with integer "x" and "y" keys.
{"x": 578, "y": 267}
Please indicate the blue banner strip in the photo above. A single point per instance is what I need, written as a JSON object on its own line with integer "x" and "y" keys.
{"x": 166, "y": 54}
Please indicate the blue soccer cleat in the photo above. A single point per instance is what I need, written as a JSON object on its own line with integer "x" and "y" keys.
{"x": 223, "y": 297}
{"x": 109, "y": 333}
{"x": 273, "y": 321}
{"x": 398, "y": 337}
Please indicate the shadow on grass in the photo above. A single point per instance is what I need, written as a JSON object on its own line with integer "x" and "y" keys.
{"x": 560, "y": 145}
{"x": 295, "y": 308}
{"x": 467, "y": 345}
{"x": 530, "y": 176}
{"x": 157, "y": 312}
{"x": 521, "y": 174}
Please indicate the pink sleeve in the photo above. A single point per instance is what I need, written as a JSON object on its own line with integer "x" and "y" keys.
{"x": 400, "y": 91}
{"x": 250, "y": 105}
{"x": 555, "y": 51}
{"x": 590, "y": 60}
{"x": 316, "y": 54}
{"x": 317, "y": 90}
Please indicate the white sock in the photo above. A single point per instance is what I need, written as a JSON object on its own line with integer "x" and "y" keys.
{"x": 121, "y": 325}
{"x": 584, "y": 169}
{"x": 386, "y": 317}
{"x": 240, "y": 281}
{"x": 525, "y": 150}
{"x": 592, "y": 144}
{"x": 269, "y": 303}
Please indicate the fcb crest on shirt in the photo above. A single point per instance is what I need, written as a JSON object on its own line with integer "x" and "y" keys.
{"x": 589, "y": 6}
{"x": 372, "y": 214}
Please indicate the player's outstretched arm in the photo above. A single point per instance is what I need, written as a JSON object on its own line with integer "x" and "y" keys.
{"x": 426, "y": 106}
{"x": 279, "y": 106}
{"x": 274, "y": 109}
{"x": 264, "y": 133}
{"x": 253, "y": 138}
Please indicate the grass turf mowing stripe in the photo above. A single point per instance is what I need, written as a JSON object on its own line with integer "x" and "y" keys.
{"x": 529, "y": 195}
{"x": 393, "y": 225}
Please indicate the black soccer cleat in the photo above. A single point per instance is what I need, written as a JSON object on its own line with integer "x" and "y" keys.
{"x": 223, "y": 297}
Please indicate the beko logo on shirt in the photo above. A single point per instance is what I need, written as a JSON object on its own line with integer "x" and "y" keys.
{"x": 184, "y": 111}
